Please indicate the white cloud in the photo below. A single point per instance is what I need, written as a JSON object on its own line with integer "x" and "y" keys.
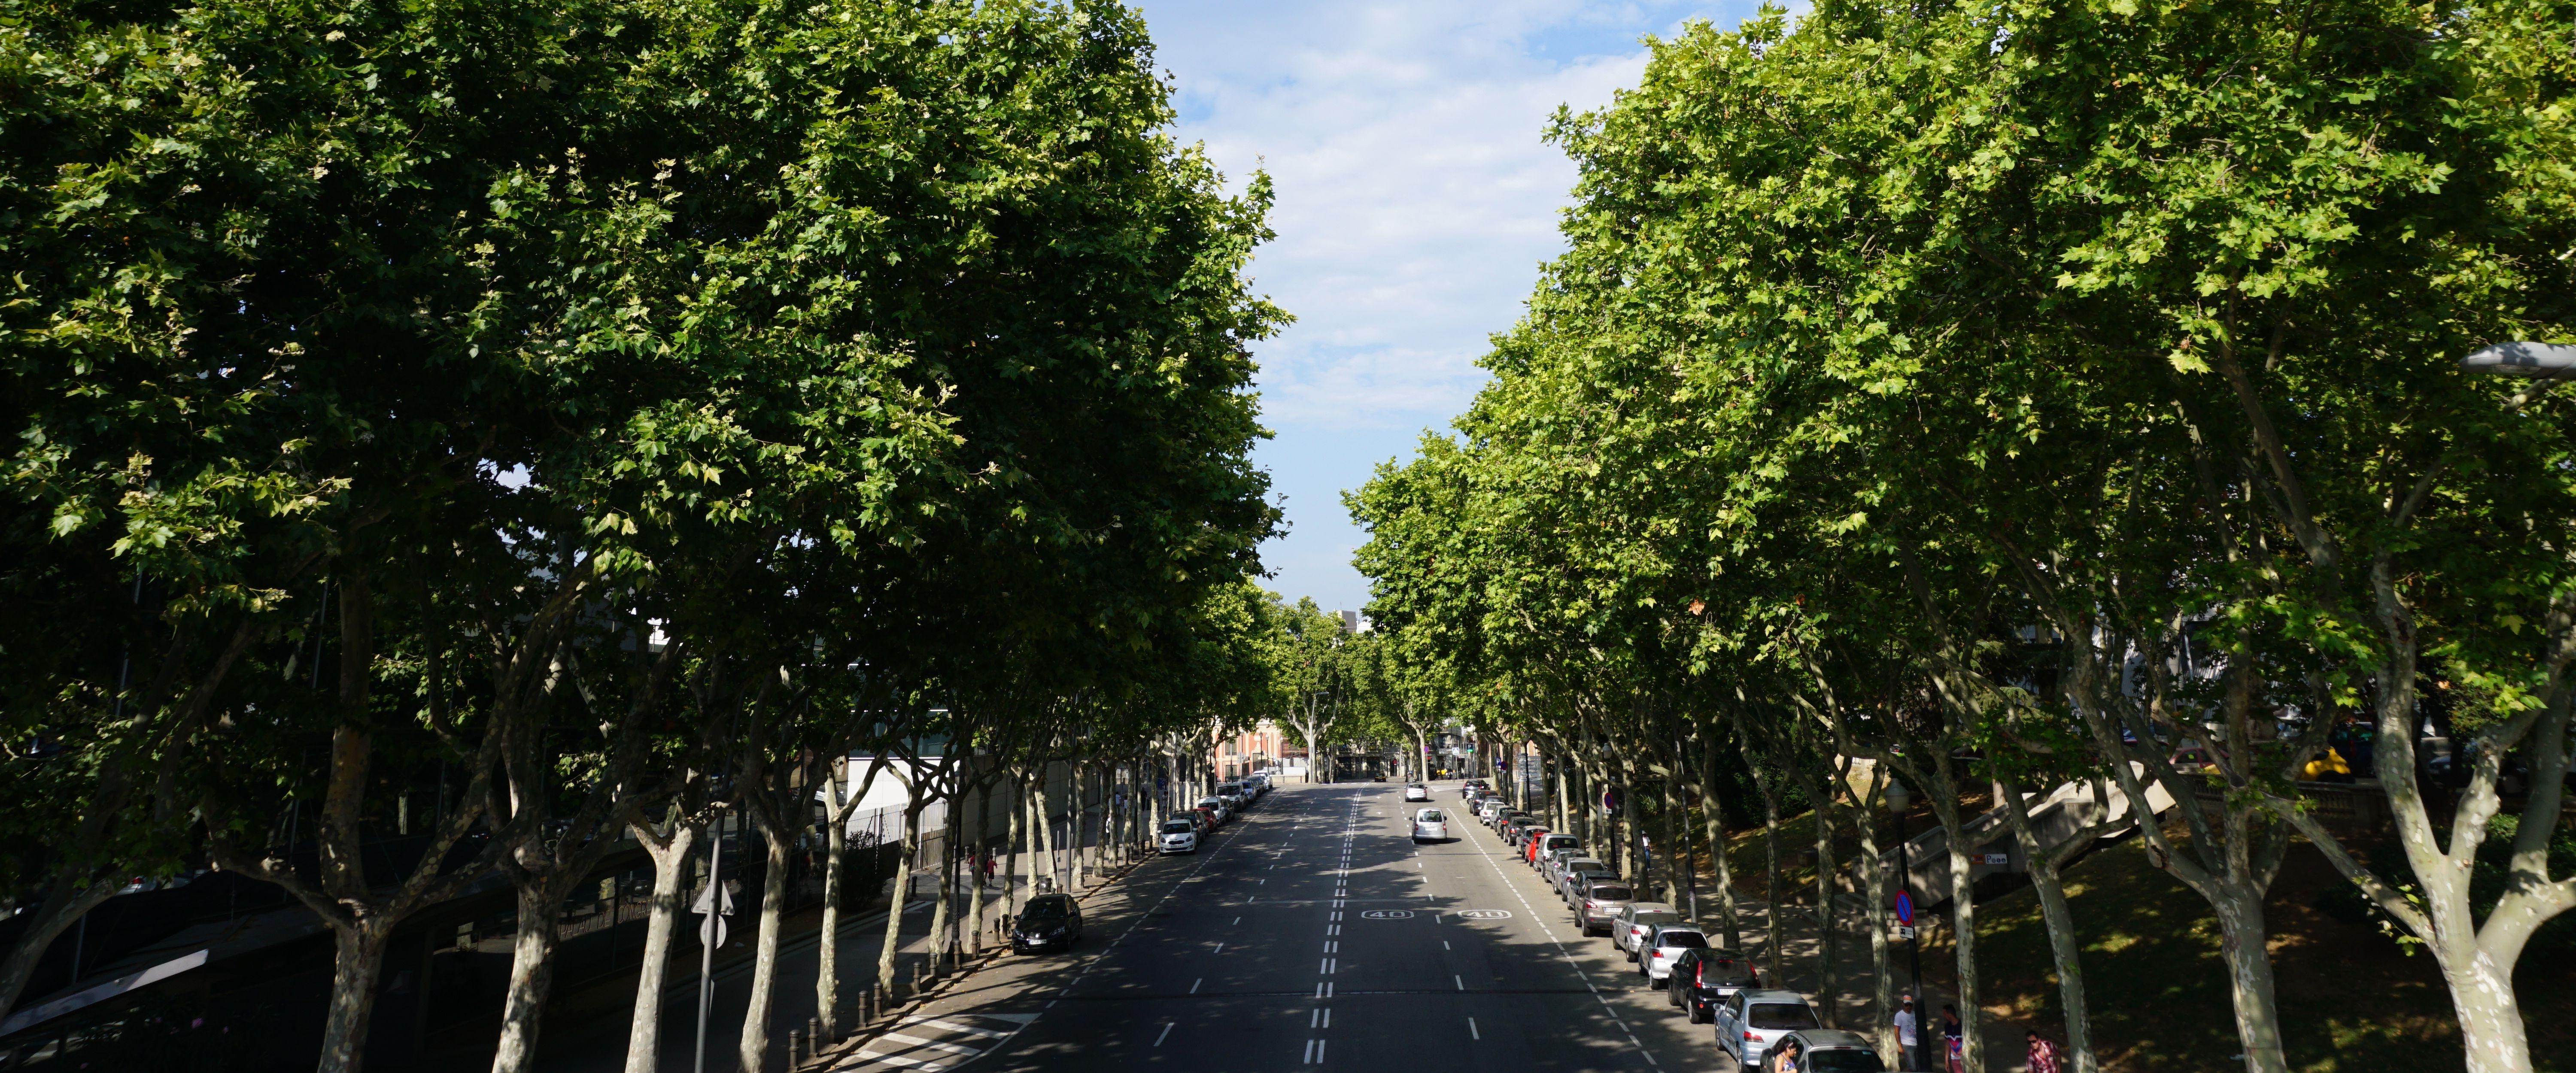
{"x": 1416, "y": 198}
{"x": 1416, "y": 202}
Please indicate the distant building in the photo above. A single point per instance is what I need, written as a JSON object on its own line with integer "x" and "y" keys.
{"x": 1352, "y": 622}
{"x": 1252, "y": 750}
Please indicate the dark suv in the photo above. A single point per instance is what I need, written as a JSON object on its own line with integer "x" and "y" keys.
{"x": 1049, "y": 921}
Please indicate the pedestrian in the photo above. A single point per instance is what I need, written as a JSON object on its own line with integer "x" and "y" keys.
{"x": 1954, "y": 1040}
{"x": 1784, "y": 1058}
{"x": 988, "y": 869}
{"x": 1907, "y": 1052}
{"x": 2044, "y": 1055}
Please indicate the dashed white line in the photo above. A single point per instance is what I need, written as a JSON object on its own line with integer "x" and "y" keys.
{"x": 1167, "y": 1026}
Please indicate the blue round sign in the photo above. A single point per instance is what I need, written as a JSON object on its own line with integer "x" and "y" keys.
{"x": 1905, "y": 908}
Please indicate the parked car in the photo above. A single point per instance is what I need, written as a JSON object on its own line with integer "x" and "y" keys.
{"x": 1601, "y": 905}
{"x": 1555, "y": 863}
{"x": 1708, "y": 978}
{"x": 1748, "y": 1025}
{"x": 1207, "y": 820}
{"x": 1567, "y": 871}
{"x": 1664, "y": 945}
{"x": 1521, "y": 831}
{"x": 1414, "y": 791}
{"x": 1217, "y": 805}
{"x": 1048, "y": 921}
{"x": 1473, "y": 788}
{"x": 1633, "y": 921}
{"x": 1234, "y": 794}
{"x": 1571, "y": 891}
{"x": 1540, "y": 848}
{"x": 1179, "y": 836}
{"x": 1827, "y": 1050}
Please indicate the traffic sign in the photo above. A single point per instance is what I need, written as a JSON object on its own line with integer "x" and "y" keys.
{"x": 1904, "y": 933}
{"x": 711, "y": 931}
{"x": 1905, "y": 908}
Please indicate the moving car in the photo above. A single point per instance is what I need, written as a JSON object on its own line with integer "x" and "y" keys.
{"x": 1414, "y": 791}
{"x": 1826, "y": 1050}
{"x": 1179, "y": 836}
{"x": 1049, "y": 921}
{"x": 1430, "y": 825}
{"x": 1634, "y": 918}
{"x": 1708, "y": 978}
{"x": 1601, "y": 905}
{"x": 1663, "y": 946}
{"x": 1750, "y": 1023}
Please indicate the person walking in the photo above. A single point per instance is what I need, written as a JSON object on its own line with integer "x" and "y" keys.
{"x": 1908, "y": 1051}
{"x": 1954, "y": 1050}
{"x": 2044, "y": 1055}
{"x": 988, "y": 869}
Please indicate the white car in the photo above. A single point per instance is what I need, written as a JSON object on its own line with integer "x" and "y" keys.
{"x": 1179, "y": 836}
{"x": 1635, "y": 920}
{"x": 1662, "y": 946}
{"x": 1430, "y": 825}
{"x": 1414, "y": 791}
{"x": 1217, "y": 805}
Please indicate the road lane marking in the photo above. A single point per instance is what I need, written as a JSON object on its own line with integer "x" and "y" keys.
{"x": 933, "y": 1044}
{"x": 1471, "y": 1022}
{"x": 1194, "y": 984}
{"x": 955, "y": 1027}
{"x": 1220, "y": 947}
{"x": 1453, "y": 978}
{"x": 1167, "y": 1027}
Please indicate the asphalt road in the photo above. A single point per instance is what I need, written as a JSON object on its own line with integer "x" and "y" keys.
{"x": 1313, "y": 934}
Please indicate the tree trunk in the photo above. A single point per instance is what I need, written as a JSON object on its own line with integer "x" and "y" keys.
{"x": 942, "y": 913}
{"x": 975, "y": 866}
{"x": 2249, "y": 977}
{"x": 1826, "y": 994}
{"x": 671, "y": 861}
{"x": 1771, "y": 944}
{"x": 357, "y": 953}
{"x": 764, "y": 965}
{"x": 1713, "y": 810}
{"x": 532, "y": 971}
{"x": 1011, "y": 849}
{"x": 827, "y": 945}
{"x": 901, "y": 888}
{"x": 66, "y": 901}
{"x": 2064, "y": 945}
{"x": 1963, "y": 922}
{"x": 1875, "y": 877}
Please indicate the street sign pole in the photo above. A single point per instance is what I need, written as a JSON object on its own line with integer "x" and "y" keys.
{"x": 707, "y": 950}
{"x": 1913, "y": 953}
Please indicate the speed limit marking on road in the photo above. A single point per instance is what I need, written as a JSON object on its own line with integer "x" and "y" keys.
{"x": 1485, "y": 914}
{"x": 1387, "y": 914}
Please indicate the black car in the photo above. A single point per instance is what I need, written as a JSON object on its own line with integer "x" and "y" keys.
{"x": 1048, "y": 921}
{"x": 1707, "y": 977}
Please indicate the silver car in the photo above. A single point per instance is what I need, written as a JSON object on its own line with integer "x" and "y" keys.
{"x": 1749, "y": 1024}
{"x": 1633, "y": 922}
{"x": 1662, "y": 946}
{"x": 1826, "y": 1050}
{"x": 1563, "y": 861}
{"x": 1571, "y": 889}
{"x": 1601, "y": 906}
{"x": 1430, "y": 825}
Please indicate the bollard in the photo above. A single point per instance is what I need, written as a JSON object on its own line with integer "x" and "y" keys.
{"x": 814, "y": 1033}
{"x": 795, "y": 1043}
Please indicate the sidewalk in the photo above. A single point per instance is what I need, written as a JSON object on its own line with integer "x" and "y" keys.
{"x": 587, "y": 1034}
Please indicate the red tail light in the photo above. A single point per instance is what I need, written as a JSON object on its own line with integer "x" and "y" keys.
{"x": 1748, "y": 1037}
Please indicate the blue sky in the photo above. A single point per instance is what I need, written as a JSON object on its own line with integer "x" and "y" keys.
{"x": 1416, "y": 202}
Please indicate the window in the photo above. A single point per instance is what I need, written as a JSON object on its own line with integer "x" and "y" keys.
{"x": 1429, "y": 816}
{"x": 1178, "y": 827}
{"x": 1777, "y": 1016}
{"x": 1606, "y": 893}
{"x": 1851, "y": 1061}
{"x": 1684, "y": 940}
{"x": 1044, "y": 909}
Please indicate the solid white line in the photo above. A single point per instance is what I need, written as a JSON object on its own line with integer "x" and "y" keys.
{"x": 1167, "y": 1026}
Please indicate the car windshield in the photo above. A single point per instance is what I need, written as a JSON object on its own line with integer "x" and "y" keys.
{"x": 1850, "y": 1061}
{"x": 1048, "y": 910}
{"x": 1429, "y": 817}
{"x": 1683, "y": 940}
{"x": 1610, "y": 894}
{"x": 1779, "y": 1016}
{"x": 1177, "y": 827}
